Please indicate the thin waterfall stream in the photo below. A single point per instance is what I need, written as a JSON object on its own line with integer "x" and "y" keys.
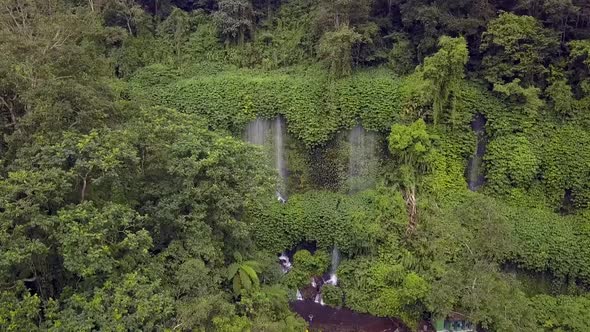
{"x": 279, "y": 146}
{"x": 362, "y": 158}
{"x": 475, "y": 176}
{"x": 271, "y": 135}
{"x": 333, "y": 278}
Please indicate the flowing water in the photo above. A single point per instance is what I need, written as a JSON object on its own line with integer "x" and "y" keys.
{"x": 271, "y": 135}
{"x": 310, "y": 305}
{"x": 299, "y": 296}
{"x": 363, "y": 159}
{"x": 333, "y": 278}
{"x": 328, "y": 319}
{"x": 318, "y": 298}
{"x": 258, "y": 131}
{"x": 285, "y": 263}
{"x": 279, "y": 145}
{"x": 335, "y": 260}
{"x": 475, "y": 177}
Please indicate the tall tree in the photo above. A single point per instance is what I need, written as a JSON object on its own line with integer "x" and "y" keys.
{"x": 235, "y": 20}
{"x": 445, "y": 70}
{"x": 337, "y": 13}
{"x": 412, "y": 147}
{"x": 175, "y": 30}
{"x": 335, "y": 49}
{"x": 517, "y": 47}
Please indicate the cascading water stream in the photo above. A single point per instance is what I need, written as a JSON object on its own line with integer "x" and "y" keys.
{"x": 280, "y": 159}
{"x": 333, "y": 279}
{"x": 257, "y": 132}
{"x": 270, "y": 135}
{"x": 475, "y": 178}
{"x": 335, "y": 259}
{"x": 285, "y": 263}
{"x": 318, "y": 299}
{"x": 362, "y": 161}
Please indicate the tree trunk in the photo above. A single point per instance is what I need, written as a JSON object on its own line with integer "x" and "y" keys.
{"x": 10, "y": 109}
{"x": 129, "y": 25}
{"x": 389, "y": 5}
{"x": 410, "y": 198}
{"x": 84, "y": 186}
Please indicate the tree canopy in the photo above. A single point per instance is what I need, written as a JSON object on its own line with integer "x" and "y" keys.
{"x": 133, "y": 197}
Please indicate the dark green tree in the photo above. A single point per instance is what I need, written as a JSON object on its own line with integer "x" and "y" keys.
{"x": 235, "y": 20}
{"x": 517, "y": 47}
{"x": 411, "y": 146}
{"x": 445, "y": 70}
{"x": 335, "y": 49}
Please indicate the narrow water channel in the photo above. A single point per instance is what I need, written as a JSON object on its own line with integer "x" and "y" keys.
{"x": 475, "y": 173}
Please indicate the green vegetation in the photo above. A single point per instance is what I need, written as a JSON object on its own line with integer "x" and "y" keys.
{"x": 129, "y": 200}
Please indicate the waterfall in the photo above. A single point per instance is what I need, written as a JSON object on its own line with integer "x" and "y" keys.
{"x": 333, "y": 280}
{"x": 285, "y": 263}
{"x": 298, "y": 296}
{"x": 319, "y": 299}
{"x": 280, "y": 158}
{"x": 335, "y": 260}
{"x": 270, "y": 135}
{"x": 257, "y": 132}
{"x": 475, "y": 178}
{"x": 362, "y": 161}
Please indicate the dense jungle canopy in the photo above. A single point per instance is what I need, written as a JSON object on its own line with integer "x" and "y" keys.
{"x": 440, "y": 149}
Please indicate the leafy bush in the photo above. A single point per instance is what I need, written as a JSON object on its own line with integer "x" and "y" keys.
{"x": 352, "y": 223}
{"x": 332, "y": 295}
{"x": 562, "y": 313}
{"x": 315, "y": 107}
{"x": 511, "y": 162}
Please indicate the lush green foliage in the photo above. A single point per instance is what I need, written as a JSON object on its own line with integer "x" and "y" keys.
{"x": 564, "y": 313}
{"x": 129, "y": 202}
{"x": 315, "y": 107}
{"x": 350, "y": 222}
{"x": 445, "y": 70}
{"x": 411, "y": 145}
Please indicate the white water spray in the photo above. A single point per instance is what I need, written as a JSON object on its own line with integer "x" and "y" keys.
{"x": 299, "y": 296}
{"x": 285, "y": 263}
{"x": 270, "y": 135}
{"x": 318, "y": 299}
{"x": 333, "y": 280}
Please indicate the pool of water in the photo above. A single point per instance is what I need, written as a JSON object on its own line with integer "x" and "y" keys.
{"x": 328, "y": 319}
